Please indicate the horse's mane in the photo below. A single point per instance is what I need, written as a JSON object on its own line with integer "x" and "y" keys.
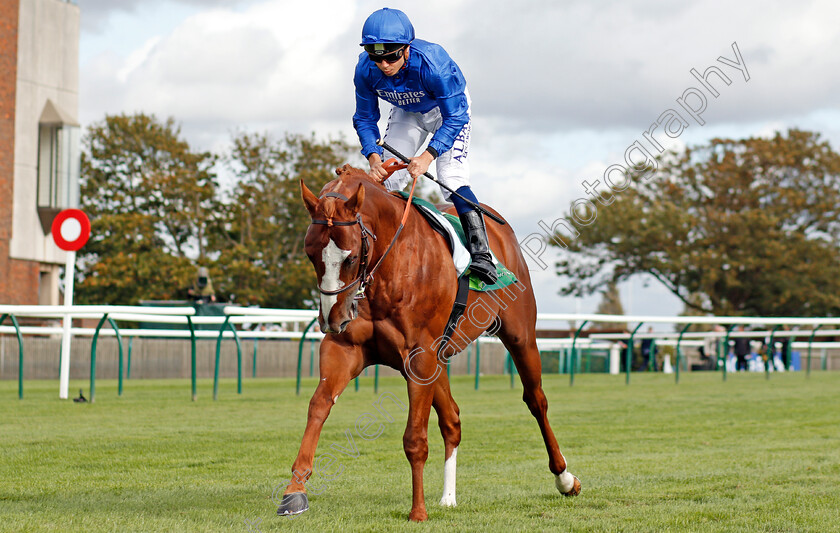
{"x": 347, "y": 173}
{"x": 348, "y": 179}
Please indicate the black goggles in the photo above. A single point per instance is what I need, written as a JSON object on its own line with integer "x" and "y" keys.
{"x": 390, "y": 58}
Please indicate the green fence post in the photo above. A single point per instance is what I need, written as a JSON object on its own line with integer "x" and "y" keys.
{"x": 477, "y": 362}
{"x": 20, "y": 351}
{"x": 726, "y": 349}
{"x": 509, "y": 365}
{"x": 574, "y": 350}
{"x": 376, "y": 380}
{"x": 628, "y": 357}
{"x": 311, "y": 358}
{"x": 238, "y": 359}
{"x": 227, "y": 324}
{"x": 120, "y": 366}
{"x": 679, "y": 353}
{"x": 300, "y": 354}
{"x": 810, "y": 342}
{"x": 788, "y": 349}
{"x": 128, "y": 364}
{"x": 93, "y": 357}
{"x": 652, "y": 356}
{"x": 254, "y": 364}
{"x": 218, "y": 357}
{"x": 93, "y": 344}
{"x": 192, "y": 357}
{"x": 771, "y": 352}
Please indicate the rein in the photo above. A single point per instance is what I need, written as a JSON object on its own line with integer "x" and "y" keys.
{"x": 364, "y": 278}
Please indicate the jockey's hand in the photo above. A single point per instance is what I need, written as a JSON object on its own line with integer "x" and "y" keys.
{"x": 377, "y": 171}
{"x": 420, "y": 165}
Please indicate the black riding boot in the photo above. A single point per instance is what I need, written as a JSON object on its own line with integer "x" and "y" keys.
{"x": 482, "y": 264}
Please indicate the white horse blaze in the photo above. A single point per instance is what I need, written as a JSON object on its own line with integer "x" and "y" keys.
{"x": 448, "y": 499}
{"x": 332, "y": 256}
{"x": 565, "y": 482}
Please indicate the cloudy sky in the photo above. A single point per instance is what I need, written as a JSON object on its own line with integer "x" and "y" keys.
{"x": 560, "y": 90}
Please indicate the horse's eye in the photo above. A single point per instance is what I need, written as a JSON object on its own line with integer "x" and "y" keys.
{"x": 350, "y": 260}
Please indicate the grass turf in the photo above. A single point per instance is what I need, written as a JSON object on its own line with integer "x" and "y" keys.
{"x": 705, "y": 455}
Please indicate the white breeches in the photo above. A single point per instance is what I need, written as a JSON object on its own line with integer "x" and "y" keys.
{"x": 407, "y": 133}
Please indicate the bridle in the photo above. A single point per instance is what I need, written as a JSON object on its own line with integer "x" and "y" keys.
{"x": 363, "y": 278}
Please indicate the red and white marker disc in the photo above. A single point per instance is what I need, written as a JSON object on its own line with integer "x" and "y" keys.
{"x": 71, "y": 230}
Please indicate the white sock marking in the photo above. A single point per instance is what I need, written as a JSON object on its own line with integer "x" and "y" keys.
{"x": 565, "y": 482}
{"x": 449, "y": 467}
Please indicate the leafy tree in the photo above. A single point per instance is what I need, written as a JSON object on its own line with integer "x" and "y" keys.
{"x": 610, "y": 304}
{"x": 733, "y": 227}
{"x": 148, "y": 196}
{"x": 695, "y": 309}
{"x": 261, "y": 229}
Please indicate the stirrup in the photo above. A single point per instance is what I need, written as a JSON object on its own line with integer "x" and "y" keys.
{"x": 484, "y": 269}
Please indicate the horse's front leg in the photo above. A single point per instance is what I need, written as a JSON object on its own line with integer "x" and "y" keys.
{"x": 416, "y": 441}
{"x": 339, "y": 363}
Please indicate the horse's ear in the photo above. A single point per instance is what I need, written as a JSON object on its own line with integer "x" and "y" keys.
{"x": 309, "y": 199}
{"x": 355, "y": 202}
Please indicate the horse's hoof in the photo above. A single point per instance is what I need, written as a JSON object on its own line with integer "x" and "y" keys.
{"x": 567, "y": 484}
{"x": 418, "y": 516}
{"x": 293, "y": 503}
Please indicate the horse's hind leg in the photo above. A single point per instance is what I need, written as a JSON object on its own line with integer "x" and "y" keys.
{"x": 450, "y": 429}
{"x": 526, "y": 356}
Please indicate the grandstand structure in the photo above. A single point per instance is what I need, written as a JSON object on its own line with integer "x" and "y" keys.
{"x": 39, "y": 143}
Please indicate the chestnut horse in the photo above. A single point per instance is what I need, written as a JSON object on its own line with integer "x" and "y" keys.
{"x": 397, "y": 317}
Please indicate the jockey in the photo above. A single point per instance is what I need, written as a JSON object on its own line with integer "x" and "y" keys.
{"x": 429, "y": 96}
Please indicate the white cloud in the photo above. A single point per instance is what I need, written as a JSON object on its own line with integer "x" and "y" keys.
{"x": 559, "y": 90}
{"x": 267, "y": 63}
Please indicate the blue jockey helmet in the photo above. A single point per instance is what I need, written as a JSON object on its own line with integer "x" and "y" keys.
{"x": 387, "y": 26}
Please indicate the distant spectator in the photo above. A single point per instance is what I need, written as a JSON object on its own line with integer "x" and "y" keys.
{"x": 741, "y": 350}
{"x": 622, "y": 361}
{"x": 202, "y": 288}
{"x": 648, "y": 353}
{"x": 708, "y": 352}
{"x": 784, "y": 346}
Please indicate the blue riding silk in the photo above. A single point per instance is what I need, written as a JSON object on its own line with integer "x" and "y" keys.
{"x": 429, "y": 79}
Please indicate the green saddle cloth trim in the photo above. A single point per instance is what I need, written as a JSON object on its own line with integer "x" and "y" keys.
{"x": 505, "y": 276}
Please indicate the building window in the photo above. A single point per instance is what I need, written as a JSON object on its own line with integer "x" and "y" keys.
{"x": 58, "y": 164}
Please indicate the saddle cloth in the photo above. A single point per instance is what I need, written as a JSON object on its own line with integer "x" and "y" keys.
{"x": 449, "y": 226}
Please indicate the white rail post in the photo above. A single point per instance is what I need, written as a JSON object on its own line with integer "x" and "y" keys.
{"x": 64, "y": 372}
{"x": 615, "y": 358}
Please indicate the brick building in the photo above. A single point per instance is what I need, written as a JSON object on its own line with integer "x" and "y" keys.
{"x": 39, "y": 142}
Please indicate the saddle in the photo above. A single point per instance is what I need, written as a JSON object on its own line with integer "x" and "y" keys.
{"x": 449, "y": 226}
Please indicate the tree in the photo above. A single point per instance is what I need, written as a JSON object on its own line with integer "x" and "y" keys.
{"x": 749, "y": 227}
{"x": 261, "y": 229}
{"x": 610, "y": 304}
{"x": 149, "y": 197}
